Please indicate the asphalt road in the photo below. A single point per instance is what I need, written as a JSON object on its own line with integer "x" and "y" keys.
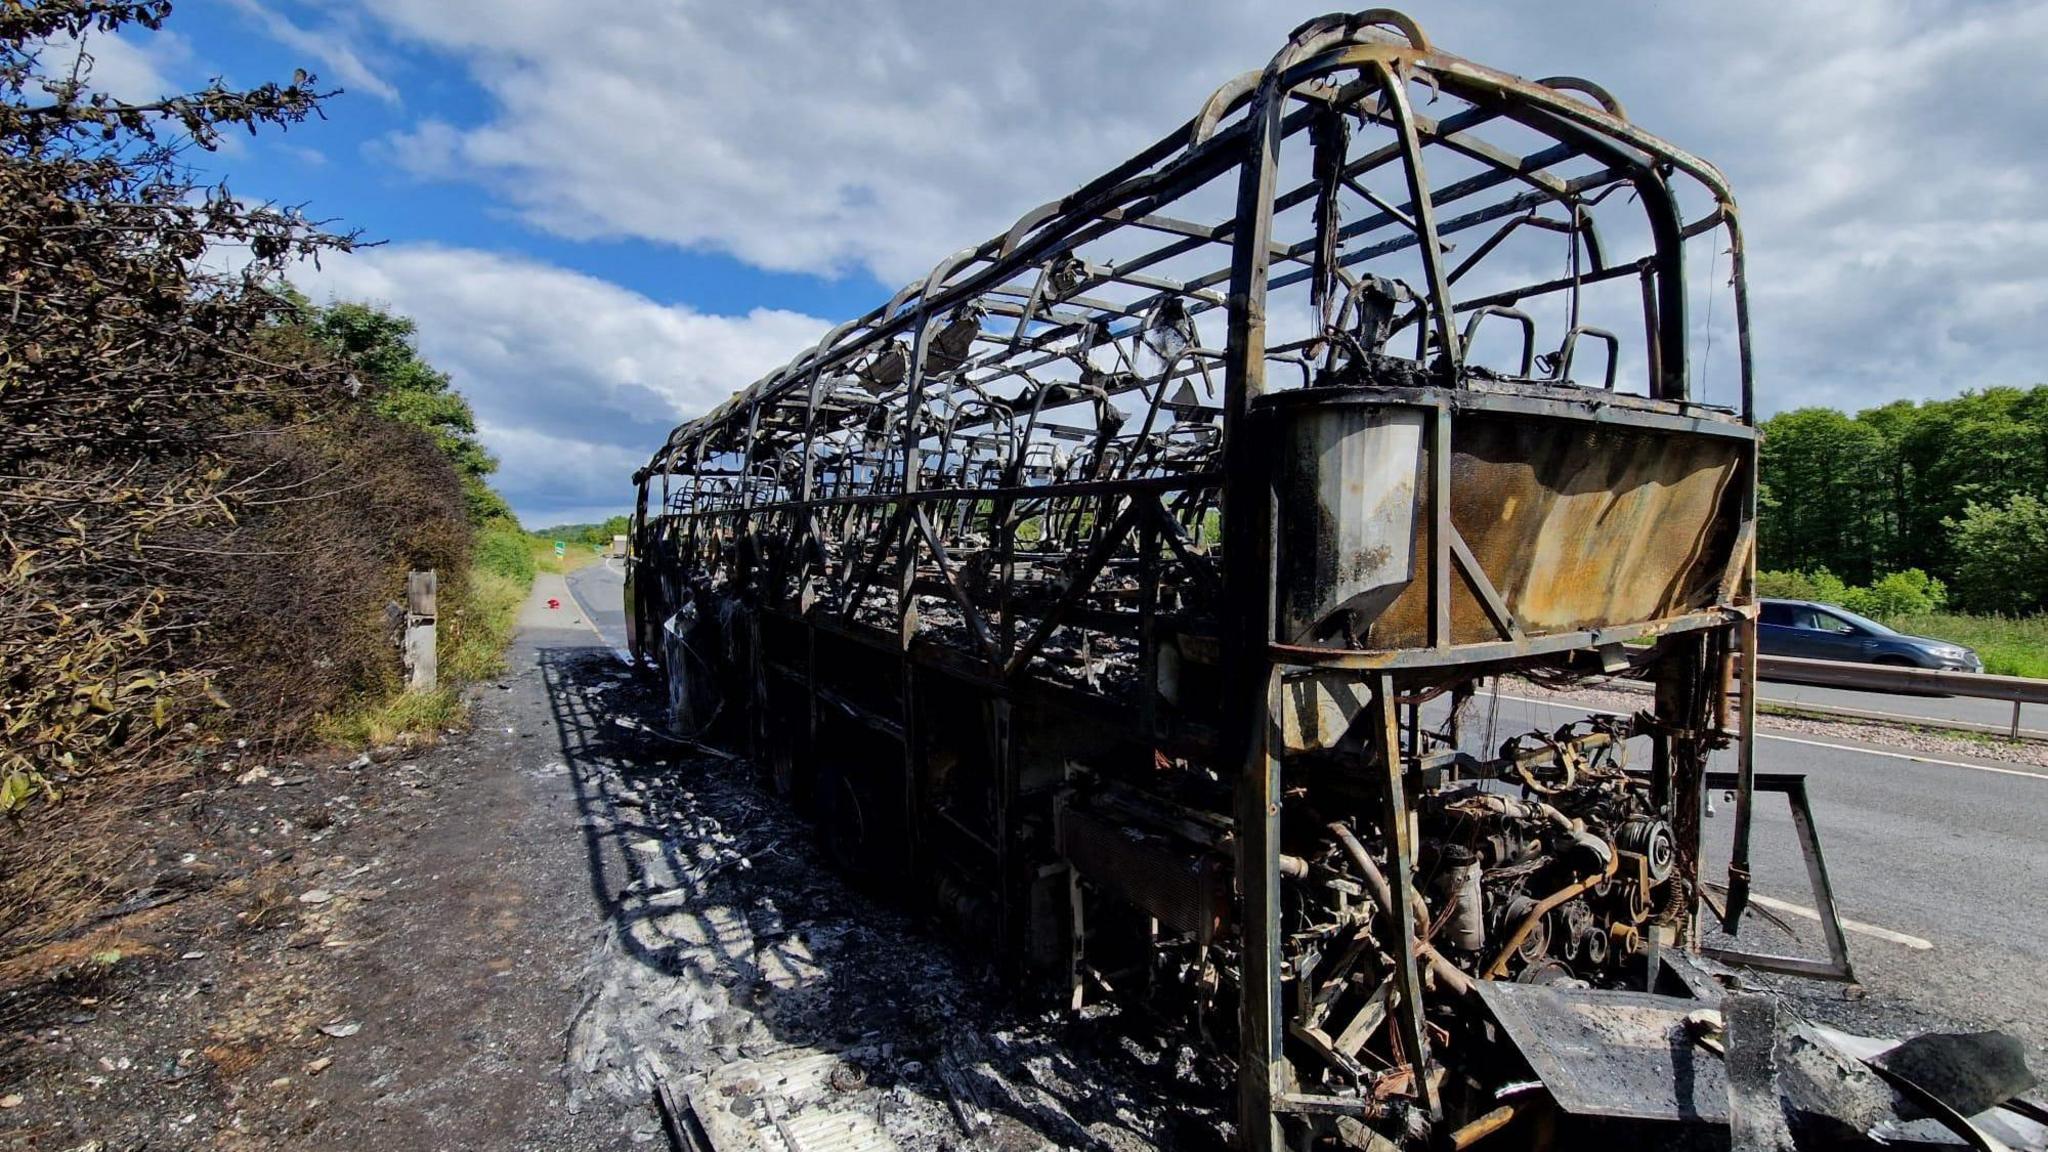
{"x": 1941, "y": 864}
{"x": 600, "y": 591}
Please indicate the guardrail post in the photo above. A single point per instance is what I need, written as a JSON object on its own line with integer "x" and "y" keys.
{"x": 420, "y": 589}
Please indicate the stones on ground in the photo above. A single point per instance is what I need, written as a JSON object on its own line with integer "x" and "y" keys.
{"x": 342, "y": 1030}
{"x": 315, "y": 896}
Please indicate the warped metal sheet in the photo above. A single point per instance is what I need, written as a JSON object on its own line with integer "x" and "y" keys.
{"x": 1612, "y": 1053}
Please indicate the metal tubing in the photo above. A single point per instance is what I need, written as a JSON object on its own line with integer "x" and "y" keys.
{"x": 1386, "y": 746}
{"x": 1250, "y": 684}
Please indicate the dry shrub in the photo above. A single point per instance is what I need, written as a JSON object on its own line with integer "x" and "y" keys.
{"x": 300, "y": 627}
{"x": 201, "y": 519}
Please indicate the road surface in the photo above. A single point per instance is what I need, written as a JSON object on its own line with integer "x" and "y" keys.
{"x": 600, "y": 592}
{"x": 1940, "y": 863}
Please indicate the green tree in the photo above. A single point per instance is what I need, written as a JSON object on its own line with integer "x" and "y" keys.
{"x": 594, "y": 535}
{"x": 1908, "y": 593}
{"x": 2001, "y": 554}
{"x": 1878, "y": 493}
{"x": 1829, "y": 502}
{"x": 381, "y": 351}
{"x": 1818, "y": 584}
{"x": 1983, "y": 447}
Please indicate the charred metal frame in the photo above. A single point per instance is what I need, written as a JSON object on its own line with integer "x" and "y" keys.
{"x": 901, "y": 514}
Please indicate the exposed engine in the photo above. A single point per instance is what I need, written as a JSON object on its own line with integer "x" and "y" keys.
{"x": 1550, "y": 863}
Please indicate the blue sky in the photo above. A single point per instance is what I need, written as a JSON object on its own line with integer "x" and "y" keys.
{"x": 605, "y": 215}
{"x": 347, "y": 167}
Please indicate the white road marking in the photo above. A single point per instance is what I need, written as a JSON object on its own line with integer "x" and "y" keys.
{"x": 575, "y": 603}
{"x": 1913, "y": 942}
{"x": 1912, "y": 756}
{"x": 1906, "y": 756}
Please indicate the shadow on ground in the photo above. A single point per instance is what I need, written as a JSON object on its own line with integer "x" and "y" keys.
{"x": 754, "y": 981}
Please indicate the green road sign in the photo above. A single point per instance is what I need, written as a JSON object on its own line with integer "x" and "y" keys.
{"x": 561, "y": 548}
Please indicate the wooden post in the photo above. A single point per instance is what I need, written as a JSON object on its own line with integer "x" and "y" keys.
{"x": 419, "y": 631}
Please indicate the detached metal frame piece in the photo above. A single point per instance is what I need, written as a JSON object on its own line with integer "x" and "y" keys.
{"x": 1837, "y": 966}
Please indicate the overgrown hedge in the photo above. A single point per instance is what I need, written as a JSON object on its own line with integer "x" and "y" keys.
{"x": 204, "y": 510}
{"x": 504, "y": 549}
{"x": 1908, "y": 593}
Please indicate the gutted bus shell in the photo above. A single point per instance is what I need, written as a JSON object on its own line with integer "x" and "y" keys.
{"x": 1120, "y": 589}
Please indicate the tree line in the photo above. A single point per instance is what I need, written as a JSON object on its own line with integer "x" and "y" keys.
{"x": 597, "y": 535}
{"x": 1954, "y": 490}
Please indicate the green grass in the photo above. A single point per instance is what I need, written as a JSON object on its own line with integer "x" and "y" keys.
{"x": 577, "y": 556}
{"x": 482, "y": 626}
{"x": 477, "y": 621}
{"x": 476, "y": 624}
{"x": 381, "y": 721}
{"x": 2009, "y": 646}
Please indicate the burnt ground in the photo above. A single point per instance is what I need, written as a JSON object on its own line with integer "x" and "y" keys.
{"x": 506, "y": 940}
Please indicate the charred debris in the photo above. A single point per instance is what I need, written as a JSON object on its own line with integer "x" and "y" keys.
{"x": 1121, "y": 592}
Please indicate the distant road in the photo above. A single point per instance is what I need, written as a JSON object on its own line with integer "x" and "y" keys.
{"x": 600, "y": 591}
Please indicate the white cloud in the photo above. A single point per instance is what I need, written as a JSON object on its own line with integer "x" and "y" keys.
{"x": 817, "y": 135}
{"x": 1884, "y": 150}
{"x": 124, "y": 69}
{"x": 328, "y": 45}
{"x": 575, "y": 381}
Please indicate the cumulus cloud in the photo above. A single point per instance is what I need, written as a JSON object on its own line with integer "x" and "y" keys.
{"x": 329, "y": 45}
{"x": 1883, "y": 149}
{"x": 575, "y": 381}
{"x": 136, "y": 72}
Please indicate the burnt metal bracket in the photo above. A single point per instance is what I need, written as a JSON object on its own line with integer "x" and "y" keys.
{"x": 1837, "y": 966}
{"x": 1475, "y": 577}
{"x": 1386, "y": 733}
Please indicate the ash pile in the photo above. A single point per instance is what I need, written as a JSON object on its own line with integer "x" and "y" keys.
{"x": 751, "y": 996}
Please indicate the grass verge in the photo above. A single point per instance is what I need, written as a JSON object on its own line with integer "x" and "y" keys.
{"x": 478, "y": 615}
{"x": 573, "y": 557}
{"x": 2009, "y": 646}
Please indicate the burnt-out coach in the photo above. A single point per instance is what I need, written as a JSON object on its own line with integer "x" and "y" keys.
{"x": 1129, "y": 593}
